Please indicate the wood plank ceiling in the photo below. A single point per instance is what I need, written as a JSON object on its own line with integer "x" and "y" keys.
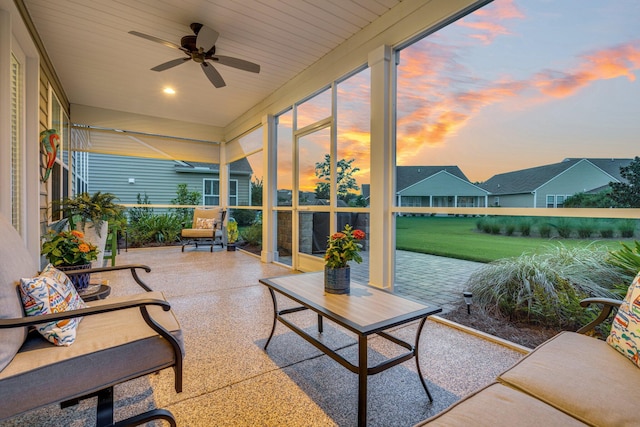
{"x": 101, "y": 65}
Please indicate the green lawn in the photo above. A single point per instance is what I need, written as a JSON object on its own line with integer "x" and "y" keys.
{"x": 458, "y": 238}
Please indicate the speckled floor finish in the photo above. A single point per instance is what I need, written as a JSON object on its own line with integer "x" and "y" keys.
{"x": 226, "y": 316}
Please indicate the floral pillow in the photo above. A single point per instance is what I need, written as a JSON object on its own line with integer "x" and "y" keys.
{"x": 205, "y": 222}
{"x": 52, "y": 292}
{"x": 625, "y": 330}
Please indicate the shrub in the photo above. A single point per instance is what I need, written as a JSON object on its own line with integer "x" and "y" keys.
{"x": 509, "y": 227}
{"x": 545, "y": 230}
{"x": 627, "y": 258}
{"x": 606, "y": 231}
{"x": 546, "y": 288}
{"x": 164, "y": 228}
{"x": 586, "y": 227}
{"x": 524, "y": 226}
{"x": 252, "y": 235}
{"x": 627, "y": 228}
{"x": 564, "y": 227}
{"x": 244, "y": 217}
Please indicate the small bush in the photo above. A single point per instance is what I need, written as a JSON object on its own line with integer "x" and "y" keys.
{"x": 252, "y": 235}
{"x": 564, "y": 227}
{"x": 606, "y": 231}
{"x": 164, "y": 229}
{"x": 586, "y": 228}
{"x": 244, "y": 217}
{"x": 627, "y": 228}
{"x": 547, "y": 288}
{"x": 545, "y": 230}
{"x": 509, "y": 227}
{"x": 524, "y": 226}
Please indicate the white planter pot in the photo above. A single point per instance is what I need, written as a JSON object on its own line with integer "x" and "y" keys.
{"x": 98, "y": 239}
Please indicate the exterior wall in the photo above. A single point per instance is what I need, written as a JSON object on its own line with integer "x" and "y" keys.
{"x": 513, "y": 200}
{"x": 442, "y": 184}
{"x": 156, "y": 177}
{"x": 582, "y": 177}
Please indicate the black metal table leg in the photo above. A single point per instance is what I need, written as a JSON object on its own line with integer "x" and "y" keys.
{"x": 362, "y": 381}
{"x": 275, "y": 317}
{"x": 416, "y": 351}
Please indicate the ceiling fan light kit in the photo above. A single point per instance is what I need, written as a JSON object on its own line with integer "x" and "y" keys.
{"x": 201, "y": 48}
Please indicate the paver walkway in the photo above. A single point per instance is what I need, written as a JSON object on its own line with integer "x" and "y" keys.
{"x": 435, "y": 279}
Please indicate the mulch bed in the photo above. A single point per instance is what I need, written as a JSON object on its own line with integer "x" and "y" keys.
{"x": 524, "y": 334}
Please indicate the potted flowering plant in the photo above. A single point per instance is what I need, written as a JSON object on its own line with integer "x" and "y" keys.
{"x": 68, "y": 251}
{"x": 342, "y": 247}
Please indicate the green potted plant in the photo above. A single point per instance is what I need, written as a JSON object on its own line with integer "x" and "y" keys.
{"x": 91, "y": 213}
{"x": 232, "y": 234}
{"x": 342, "y": 247}
{"x": 95, "y": 208}
{"x": 68, "y": 250}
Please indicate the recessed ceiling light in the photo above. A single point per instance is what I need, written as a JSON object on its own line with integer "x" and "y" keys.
{"x": 169, "y": 91}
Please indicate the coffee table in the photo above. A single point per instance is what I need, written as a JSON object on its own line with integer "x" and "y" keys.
{"x": 364, "y": 311}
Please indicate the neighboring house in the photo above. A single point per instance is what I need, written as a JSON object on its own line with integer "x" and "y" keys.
{"x": 549, "y": 186}
{"x": 126, "y": 177}
{"x": 437, "y": 186}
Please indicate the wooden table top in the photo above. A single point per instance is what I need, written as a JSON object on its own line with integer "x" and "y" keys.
{"x": 365, "y": 310}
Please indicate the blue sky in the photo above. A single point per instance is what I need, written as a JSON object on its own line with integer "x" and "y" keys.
{"x": 521, "y": 83}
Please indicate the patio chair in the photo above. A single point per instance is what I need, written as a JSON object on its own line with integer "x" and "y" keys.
{"x": 117, "y": 339}
{"x": 207, "y": 228}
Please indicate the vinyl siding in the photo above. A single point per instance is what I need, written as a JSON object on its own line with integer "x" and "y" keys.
{"x": 157, "y": 178}
{"x": 583, "y": 177}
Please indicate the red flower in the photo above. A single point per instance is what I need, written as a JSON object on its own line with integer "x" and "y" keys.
{"x": 359, "y": 234}
{"x": 338, "y": 235}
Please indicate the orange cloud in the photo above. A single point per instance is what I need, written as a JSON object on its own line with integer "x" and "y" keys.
{"x": 618, "y": 61}
{"x": 487, "y": 22}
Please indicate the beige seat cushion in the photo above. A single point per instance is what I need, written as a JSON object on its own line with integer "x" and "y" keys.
{"x": 498, "y": 405}
{"x": 109, "y": 348}
{"x": 581, "y": 376}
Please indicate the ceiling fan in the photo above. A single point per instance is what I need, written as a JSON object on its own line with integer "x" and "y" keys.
{"x": 201, "y": 48}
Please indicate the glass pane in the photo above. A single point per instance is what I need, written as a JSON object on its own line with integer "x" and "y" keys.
{"x": 254, "y": 195}
{"x": 249, "y": 229}
{"x": 284, "y": 231}
{"x": 285, "y": 156}
{"x": 354, "y": 140}
{"x": 314, "y": 109}
{"x": 313, "y": 168}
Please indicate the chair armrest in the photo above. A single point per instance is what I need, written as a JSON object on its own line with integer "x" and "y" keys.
{"x": 132, "y": 267}
{"x": 608, "y": 304}
{"x": 89, "y": 311}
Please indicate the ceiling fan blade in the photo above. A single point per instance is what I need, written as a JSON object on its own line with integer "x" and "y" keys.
{"x": 157, "y": 40}
{"x": 170, "y": 64}
{"x": 237, "y": 63}
{"x": 213, "y": 75}
{"x": 206, "y": 38}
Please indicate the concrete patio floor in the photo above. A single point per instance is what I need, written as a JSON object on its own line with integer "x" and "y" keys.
{"x": 226, "y": 316}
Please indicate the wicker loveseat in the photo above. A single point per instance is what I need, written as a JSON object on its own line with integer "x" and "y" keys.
{"x": 570, "y": 380}
{"x": 118, "y": 339}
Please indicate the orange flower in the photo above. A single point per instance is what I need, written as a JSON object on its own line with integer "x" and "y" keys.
{"x": 83, "y": 247}
{"x": 78, "y": 234}
{"x": 338, "y": 235}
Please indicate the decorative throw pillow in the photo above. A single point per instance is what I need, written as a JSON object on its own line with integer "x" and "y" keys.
{"x": 205, "y": 222}
{"x": 625, "y": 330}
{"x": 52, "y": 292}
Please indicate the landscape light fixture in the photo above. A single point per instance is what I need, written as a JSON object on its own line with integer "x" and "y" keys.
{"x": 467, "y": 299}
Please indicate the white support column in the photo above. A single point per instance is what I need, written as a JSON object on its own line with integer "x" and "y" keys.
{"x": 269, "y": 190}
{"x": 381, "y": 234}
{"x": 223, "y": 178}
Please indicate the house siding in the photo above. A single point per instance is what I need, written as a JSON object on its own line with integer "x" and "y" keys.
{"x": 580, "y": 178}
{"x": 513, "y": 200}
{"x": 155, "y": 177}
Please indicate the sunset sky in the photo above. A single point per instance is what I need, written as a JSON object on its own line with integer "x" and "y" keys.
{"x": 519, "y": 84}
{"x": 516, "y": 84}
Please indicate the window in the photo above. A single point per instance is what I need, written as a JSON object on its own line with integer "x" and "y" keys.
{"x": 233, "y": 192}
{"x": 60, "y": 174}
{"x": 16, "y": 142}
{"x": 556, "y": 201}
{"x": 211, "y": 192}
